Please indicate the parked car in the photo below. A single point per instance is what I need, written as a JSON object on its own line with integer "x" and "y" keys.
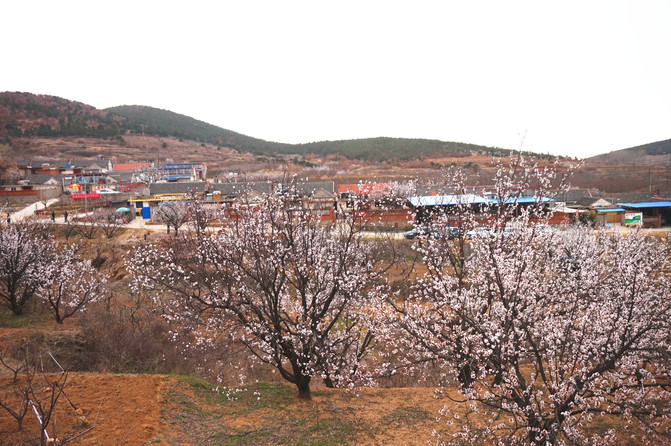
{"x": 508, "y": 231}
{"x": 480, "y": 232}
{"x": 106, "y": 191}
{"x": 449, "y": 233}
{"x": 416, "y": 232}
{"x": 544, "y": 230}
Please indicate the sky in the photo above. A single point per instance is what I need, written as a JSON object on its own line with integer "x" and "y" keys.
{"x": 574, "y": 78}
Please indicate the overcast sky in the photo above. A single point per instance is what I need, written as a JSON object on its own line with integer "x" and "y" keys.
{"x": 575, "y": 78}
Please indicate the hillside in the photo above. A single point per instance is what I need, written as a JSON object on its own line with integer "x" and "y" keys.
{"x": 26, "y": 115}
{"x": 153, "y": 121}
{"x": 634, "y": 154}
{"x": 30, "y": 115}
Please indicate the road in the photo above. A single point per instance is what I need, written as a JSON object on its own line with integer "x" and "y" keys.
{"x": 29, "y": 210}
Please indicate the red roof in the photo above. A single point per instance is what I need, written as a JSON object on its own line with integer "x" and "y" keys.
{"x": 130, "y": 166}
{"x": 365, "y": 188}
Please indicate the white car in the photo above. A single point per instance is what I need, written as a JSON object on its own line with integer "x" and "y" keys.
{"x": 482, "y": 231}
{"x": 106, "y": 191}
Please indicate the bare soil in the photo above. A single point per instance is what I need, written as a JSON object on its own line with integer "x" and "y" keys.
{"x": 143, "y": 409}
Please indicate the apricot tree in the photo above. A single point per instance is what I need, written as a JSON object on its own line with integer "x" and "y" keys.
{"x": 290, "y": 286}
{"x": 544, "y": 329}
{"x": 25, "y": 251}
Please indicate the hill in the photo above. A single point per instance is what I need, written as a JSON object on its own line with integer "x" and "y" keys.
{"x": 29, "y": 115}
{"x": 634, "y": 154}
{"x": 154, "y": 121}
{"x": 26, "y": 115}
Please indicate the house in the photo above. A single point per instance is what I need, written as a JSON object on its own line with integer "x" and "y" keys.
{"x": 55, "y": 167}
{"x": 89, "y": 181}
{"x": 317, "y": 197}
{"x": 605, "y": 212}
{"x": 426, "y": 206}
{"x": 127, "y": 182}
{"x": 371, "y": 196}
{"x": 490, "y": 192}
{"x": 227, "y": 193}
{"x": 572, "y": 196}
{"x": 655, "y": 213}
{"x": 46, "y": 179}
{"x": 40, "y": 189}
{"x": 181, "y": 189}
{"x": 173, "y": 172}
{"x": 129, "y": 167}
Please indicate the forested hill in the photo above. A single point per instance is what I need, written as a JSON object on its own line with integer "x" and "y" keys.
{"x": 166, "y": 123}
{"x": 399, "y": 148}
{"x": 26, "y": 115}
{"x": 633, "y": 153}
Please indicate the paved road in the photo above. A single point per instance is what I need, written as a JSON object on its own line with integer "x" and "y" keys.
{"x": 29, "y": 210}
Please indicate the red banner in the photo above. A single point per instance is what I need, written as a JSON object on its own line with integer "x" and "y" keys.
{"x": 82, "y": 196}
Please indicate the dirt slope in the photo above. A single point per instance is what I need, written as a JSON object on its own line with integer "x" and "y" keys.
{"x": 144, "y": 409}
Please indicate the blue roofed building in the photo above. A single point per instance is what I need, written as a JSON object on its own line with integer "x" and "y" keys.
{"x": 655, "y": 213}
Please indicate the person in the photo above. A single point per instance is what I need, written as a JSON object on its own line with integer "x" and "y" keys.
{"x": 53, "y": 216}
{"x": 65, "y": 215}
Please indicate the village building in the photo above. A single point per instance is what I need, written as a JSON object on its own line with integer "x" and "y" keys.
{"x": 228, "y": 193}
{"x": 318, "y": 198}
{"x": 654, "y": 213}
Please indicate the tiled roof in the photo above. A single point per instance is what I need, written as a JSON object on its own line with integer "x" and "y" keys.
{"x": 130, "y": 166}
{"x": 177, "y": 188}
{"x": 310, "y": 188}
{"x": 239, "y": 188}
{"x": 365, "y": 188}
{"x": 42, "y": 179}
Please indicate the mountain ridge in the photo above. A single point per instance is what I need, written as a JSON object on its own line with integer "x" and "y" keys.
{"x": 631, "y": 153}
{"x": 26, "y": 115}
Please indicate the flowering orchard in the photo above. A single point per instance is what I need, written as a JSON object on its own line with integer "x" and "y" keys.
{"x": 33, "y": 265}
{"x": 544, "y": 330}
{"x": 70, "y": 284}
{"x": 289, "y": 288}
{"x": 25, "y": 250}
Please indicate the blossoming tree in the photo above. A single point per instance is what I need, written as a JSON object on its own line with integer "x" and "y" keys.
{"x": 173, "y": 214}
{"x": 291, "y": 287}
{"x": 70, "y": 284}
{"x": 25, "y": 250}
{"x": 544, "y": 330}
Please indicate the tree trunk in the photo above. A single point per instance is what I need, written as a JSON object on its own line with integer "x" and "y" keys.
{"x": 550, "y": 428}
{"x": 17, "y": 308}
{"x": 303, "y": 385}
{"x": 465, "y": 376}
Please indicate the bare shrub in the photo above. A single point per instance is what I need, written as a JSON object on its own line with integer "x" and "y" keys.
{"x": 123, "y": 334}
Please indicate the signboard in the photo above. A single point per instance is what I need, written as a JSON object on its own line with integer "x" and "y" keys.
{"x": 82, "y": 196}
{"x": 633, "y": 218}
